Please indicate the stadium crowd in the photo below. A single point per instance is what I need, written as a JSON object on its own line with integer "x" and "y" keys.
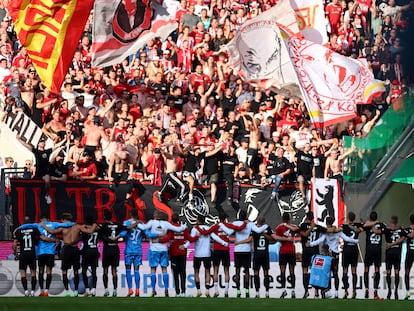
{"x": 175, "y": 112}
{"x": 178, "y": 99}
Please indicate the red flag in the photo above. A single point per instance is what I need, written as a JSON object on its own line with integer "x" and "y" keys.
{"x": 121, "y": 28}
{"x": 50, "y": 31}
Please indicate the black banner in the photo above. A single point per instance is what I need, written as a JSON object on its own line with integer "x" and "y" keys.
{"x": 91, "y": 198}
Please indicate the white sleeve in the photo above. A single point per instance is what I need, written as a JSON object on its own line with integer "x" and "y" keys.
{"x": 259, "y": 229}
{"x": 225, "y": 229}
{"x": 173, "y": 228}
{"x": 193, "y": 232}
{"x": 318, "y": 241}
{"x": 146, "y": 226}
{"x": 347, "y": 238}
{"x": 219, "y": 240}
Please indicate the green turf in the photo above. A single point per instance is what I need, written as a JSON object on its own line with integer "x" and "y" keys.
{"x": 195, "y": 304}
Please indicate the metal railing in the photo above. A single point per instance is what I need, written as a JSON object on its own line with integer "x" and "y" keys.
{"x": 6, "y": 219}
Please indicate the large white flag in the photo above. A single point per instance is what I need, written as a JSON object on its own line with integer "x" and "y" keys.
{"x": 122, "y": 27}
{"x": 331, "y": 84}
{"x": 258, "y": 52}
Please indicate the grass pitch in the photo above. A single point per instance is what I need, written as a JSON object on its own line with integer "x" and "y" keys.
{"x": 194, "y": 304}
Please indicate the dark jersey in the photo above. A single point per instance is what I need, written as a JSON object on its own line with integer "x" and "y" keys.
{"x": 192, "y": 163}
{"x": 277, "y": 165}
{"x": 212, "y": 164}
{"x": 318, "y": 165}
{"x": 110, "y": 230}
{"x": 373, "y": 240}
{"x": 229, "y": 163}
{"x": 410, "y": 241}
{"x": 313, "y": 235}
{"x": 90, "y": 243}
{"x": 42, "y": 162}
{"x": 352, "y": 231}
{"x": 27, "y": 239}
{"x": 392, "y": 235}
{"x": 261, "y": 243}
{"x": 304, "y": 164}
{"x": 57, "y": 170}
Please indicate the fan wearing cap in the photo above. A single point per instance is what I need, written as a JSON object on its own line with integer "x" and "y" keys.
{"x": 85, "y": 168}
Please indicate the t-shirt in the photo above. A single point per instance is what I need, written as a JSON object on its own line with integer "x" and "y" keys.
{"x": 287, "y": 247}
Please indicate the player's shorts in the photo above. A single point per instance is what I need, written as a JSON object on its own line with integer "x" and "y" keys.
{"x": 178, "y": 263}
{"x": 205, "y": 260}
{"x": 189, "y": 174}
{"x": 243, "y": 260}
{"x": 285, "y": 259}
{"x": 221, "y": 256}
{"x": 211, "y": 179}
{"x": 373, "y": 257}
{"x": 110, "y": 257}
{"x": 90, "y": 259}
{"x": 350, "y": 256}
{"x": 133, "y": 259}
{"x": 393, "y": 258}
{"x": 46, "y": 260}
{"x": 27, "y": 260}
{"x": 156, "y": 258}
{"x": 409, "y": 259}
{"x": 70, "y": 257}
{"x": 308, "y": 253}
{"x": 261, "y": 261}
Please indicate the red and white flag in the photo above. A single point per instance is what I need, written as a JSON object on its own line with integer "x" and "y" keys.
{"x": 326, "y": 201}
{"x": 331, "y": 84}
{"x": 121, "y": 28}
{"x": 310, "y": 15}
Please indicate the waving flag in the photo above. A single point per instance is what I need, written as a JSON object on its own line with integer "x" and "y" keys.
{"x": 311, "y": 19}
{"x": 50, "y": 31}
{"x": 331, "y": 83}
{"x": 123, "y": 27}
{"x": 258, "y": 52}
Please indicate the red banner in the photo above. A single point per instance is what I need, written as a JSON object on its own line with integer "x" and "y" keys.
{"x": 50, "y": 30}
{"x": 92, "y": 198}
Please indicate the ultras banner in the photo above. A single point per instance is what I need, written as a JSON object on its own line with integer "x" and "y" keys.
{"x": 82, "y": 199}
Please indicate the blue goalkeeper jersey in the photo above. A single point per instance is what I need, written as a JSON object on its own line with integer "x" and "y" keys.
{"x": 44, "y": 247}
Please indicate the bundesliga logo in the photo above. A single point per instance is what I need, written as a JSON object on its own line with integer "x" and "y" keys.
{"x": 319, "y": 262}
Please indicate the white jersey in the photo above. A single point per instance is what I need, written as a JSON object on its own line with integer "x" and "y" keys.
{"x": 243, "y": 234}
{"x": 202, "y": 247}
{"x": 160, "y": 227}
{"x": 332, "y": 240}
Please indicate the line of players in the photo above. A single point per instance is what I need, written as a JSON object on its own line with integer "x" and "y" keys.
{"x": 169, "y": 242}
